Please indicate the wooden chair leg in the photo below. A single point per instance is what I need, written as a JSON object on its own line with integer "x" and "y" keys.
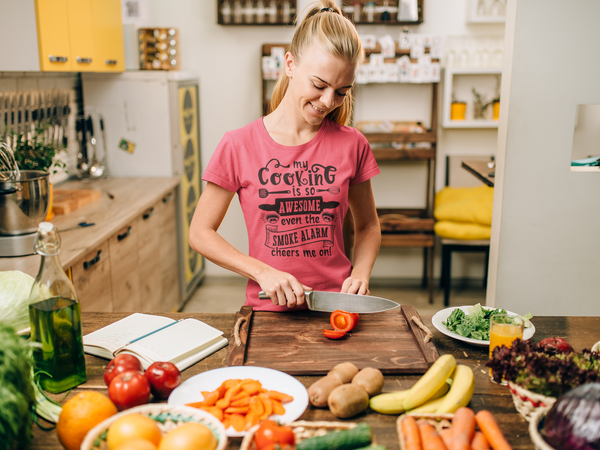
{"x": 425, "y": 265}
{"x": 446, "y": 280}
{"x": 430, "y": 251}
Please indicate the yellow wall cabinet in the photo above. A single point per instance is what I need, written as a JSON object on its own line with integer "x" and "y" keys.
{"x": 70, "y": 36}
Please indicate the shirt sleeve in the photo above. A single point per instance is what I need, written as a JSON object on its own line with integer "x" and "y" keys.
{"x": 223, "y": 167}
{"x": 366, "y": 166}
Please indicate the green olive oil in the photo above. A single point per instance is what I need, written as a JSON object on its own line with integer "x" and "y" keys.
{"x": 56, "y": 326}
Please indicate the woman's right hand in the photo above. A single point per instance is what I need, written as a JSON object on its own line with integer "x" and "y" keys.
{"x": 283, "y": 288}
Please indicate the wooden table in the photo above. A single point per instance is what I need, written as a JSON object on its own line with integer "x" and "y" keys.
{"x": 481, "y": 170}
{"x": 581, "y": 332}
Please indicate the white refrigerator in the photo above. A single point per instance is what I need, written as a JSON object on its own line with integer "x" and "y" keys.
{"x": 152, "y": 126}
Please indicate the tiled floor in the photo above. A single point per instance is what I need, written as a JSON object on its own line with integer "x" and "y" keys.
{"x": 227, "y": 294}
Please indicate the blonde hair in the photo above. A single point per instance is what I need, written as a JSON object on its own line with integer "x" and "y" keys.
{"x": 324, "y": 24}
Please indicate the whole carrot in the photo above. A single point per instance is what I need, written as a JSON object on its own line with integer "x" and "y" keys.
{"x": 410, "y": 431}
{"x": 488, "y": 425}
{"x": 463, "y": 428}
{"x": 479, "y": 442}
{"x": 446, "y": 435}
{"x": 430, "y": 439}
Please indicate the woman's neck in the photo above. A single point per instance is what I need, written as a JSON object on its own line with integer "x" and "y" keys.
{"x": 287, "y": 127}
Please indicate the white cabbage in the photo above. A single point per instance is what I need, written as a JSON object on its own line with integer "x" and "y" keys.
{"x": 15, "y": 287}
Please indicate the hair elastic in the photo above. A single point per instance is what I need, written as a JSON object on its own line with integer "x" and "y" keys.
{"x": 328, "y": 9}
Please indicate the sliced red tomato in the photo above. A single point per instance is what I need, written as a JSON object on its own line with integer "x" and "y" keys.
{"x": 334, "y": 334}
{"x": 272, "y": 436}
{"x": 343, "y": 321}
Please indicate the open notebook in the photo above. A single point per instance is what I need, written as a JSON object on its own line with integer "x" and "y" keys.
{"x": 156, "y": 338}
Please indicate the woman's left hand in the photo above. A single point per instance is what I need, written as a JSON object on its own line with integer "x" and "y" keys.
{"x": 355, "y": 286}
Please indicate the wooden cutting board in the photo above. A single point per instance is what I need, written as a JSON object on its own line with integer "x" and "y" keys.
{"x": 294, "y": 343}
{"x": 67, "y": 200}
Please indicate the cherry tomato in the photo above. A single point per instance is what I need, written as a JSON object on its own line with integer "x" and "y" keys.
{"x": 163, "y": 378}
{"x": 269, "y": 434}
{"x": 119, "y": 364}
{"x": 129, "y": 389}
{"x": 334, "y": 334}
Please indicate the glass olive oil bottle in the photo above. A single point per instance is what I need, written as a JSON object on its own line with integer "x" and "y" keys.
{"x": 55, "y": 318}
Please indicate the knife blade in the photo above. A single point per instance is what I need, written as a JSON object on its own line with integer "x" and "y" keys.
{"x": 330, "y": 301}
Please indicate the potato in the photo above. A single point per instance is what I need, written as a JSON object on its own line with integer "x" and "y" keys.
{"x": 348, "y": 400}
{"x": 319, "y": 391}
{"x": 344, "y": 371}
{"x": 370, "y": 379}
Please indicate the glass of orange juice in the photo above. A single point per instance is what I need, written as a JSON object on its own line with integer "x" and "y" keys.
{"x": 504, "y": 329}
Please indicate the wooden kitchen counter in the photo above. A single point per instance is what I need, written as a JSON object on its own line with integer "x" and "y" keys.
{"x": 581, "y": 332}
{"x": 122, "y": 199}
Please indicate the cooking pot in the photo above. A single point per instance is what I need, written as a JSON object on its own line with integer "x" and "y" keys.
{"x": 23, "y": 202}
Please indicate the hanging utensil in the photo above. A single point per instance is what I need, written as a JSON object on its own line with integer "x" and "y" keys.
{"x": 96, "y": 168}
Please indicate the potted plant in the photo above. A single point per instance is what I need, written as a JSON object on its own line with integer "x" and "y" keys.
{"x": 458, "y": 109}
{"x": 38, "y": 150}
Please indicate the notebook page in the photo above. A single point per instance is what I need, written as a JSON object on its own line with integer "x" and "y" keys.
{"x": 116, "y": 335}
{"x": 172, "y": 342}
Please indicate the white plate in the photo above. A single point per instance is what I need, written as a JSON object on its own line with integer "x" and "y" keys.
{"x": 442, "y": 315}
{"x": 274, "y": 380}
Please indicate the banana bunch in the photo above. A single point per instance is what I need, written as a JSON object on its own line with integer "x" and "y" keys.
{"x": 432, "y": 392}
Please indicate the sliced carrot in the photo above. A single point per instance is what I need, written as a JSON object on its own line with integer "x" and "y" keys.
{"x": 238, "y": 422}
{"x": 488, "y": 425}
{"x": 257, "y": 406}
{"x": 280, "y": 396}
{"x": 430, "y": 439}
{"x": 410, "y": 431}
{"x": 480, "y": 442}
{"x": 210, "y": 398}
{"x": 241, "y": 402}
{"x": 237, "y": 410}
{"x": 278, "y": 407}
{"x": 463, "y": 428}
{"x": 268, "y": 406}
{"x": 231, "y": 392}
{"x": 217, "y": 412}
{"x": 226, "y": 420}
{"x": 252, "y": 386}
{"x": 251, "y": 420}
{"x": 196, "y": 404}
{"x": 240, "y": 395}
{"x": 230, "y": 383}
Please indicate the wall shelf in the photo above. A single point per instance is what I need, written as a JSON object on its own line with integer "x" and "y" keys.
{"x": 378, "y": 13}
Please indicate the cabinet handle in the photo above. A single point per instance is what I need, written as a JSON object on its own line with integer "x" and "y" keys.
{"x": 81, "y": 60}
{"x": 58, "y": 58}
{"x": 168, "y": 198}
{"x": 148, "y": 214}
{"x": 94, "y": 260}
{"x": 110, "y": 62}
{"x": 120, "y": 237}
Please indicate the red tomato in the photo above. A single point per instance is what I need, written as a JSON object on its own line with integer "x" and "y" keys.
{"x": 269, "y": 434}
{"x": 163, "y": 378}
{"x": 334, "y": 334}
{"x": 343, "y": 321}
{"x": 129, "y": 389}
{"x": 119, "y": 364}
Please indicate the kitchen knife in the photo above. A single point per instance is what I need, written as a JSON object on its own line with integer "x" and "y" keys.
{"x": 330, "y": 301}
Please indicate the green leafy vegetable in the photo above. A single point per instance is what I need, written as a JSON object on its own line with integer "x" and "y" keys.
{"x": 17, "y": 396}
{"x": 15, "y": 287}
{"x": 475, "y": 324}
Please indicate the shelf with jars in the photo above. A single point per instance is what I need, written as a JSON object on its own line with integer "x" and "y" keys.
{"x": 384, "y": 12}
{"x": 487, "y": 11}
{"x": 256, "y": 12}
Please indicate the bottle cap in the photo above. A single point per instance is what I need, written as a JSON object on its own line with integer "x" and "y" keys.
{"x": 45, "y": 227}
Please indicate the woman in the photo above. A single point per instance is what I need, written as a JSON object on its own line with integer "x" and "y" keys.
{"x": 296, "y": 172}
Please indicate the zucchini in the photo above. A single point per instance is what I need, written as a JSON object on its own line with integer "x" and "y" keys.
{"x": 357, "y": 437}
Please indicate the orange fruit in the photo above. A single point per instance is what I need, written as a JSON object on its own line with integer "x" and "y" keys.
{"x": 136, "y": 444}
{"x": 80, "y": 414}
{"x": 132, "y": 426}
{"x": 189, "y": 436}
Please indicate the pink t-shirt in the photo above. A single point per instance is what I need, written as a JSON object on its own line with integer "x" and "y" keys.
{"x": 294, "y": 199}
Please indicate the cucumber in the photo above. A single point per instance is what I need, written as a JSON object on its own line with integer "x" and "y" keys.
{"x": 357, "y": 437}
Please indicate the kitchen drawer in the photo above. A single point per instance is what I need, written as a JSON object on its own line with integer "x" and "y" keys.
{"x": 124, "y": 269}
{"x": 91, "y": 278}
{"x": 169, "y": 252}
{"x": 149, "y": 261}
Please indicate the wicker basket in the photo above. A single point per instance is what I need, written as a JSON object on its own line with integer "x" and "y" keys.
{"x": 534, "y": 429}
{"x": 528, "y": 402}
{"x": 167, "y": 416}
{"x": 439, "y": 422}
{"x": 302, "y": 430}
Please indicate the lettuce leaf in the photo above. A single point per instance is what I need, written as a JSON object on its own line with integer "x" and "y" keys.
{"x": 15, "y": 287}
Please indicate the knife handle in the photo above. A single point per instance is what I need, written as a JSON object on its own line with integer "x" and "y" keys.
{"x": 307, "y": 295}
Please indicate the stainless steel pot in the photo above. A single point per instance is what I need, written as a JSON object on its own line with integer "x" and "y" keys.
{"x": 23, "y": 202}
